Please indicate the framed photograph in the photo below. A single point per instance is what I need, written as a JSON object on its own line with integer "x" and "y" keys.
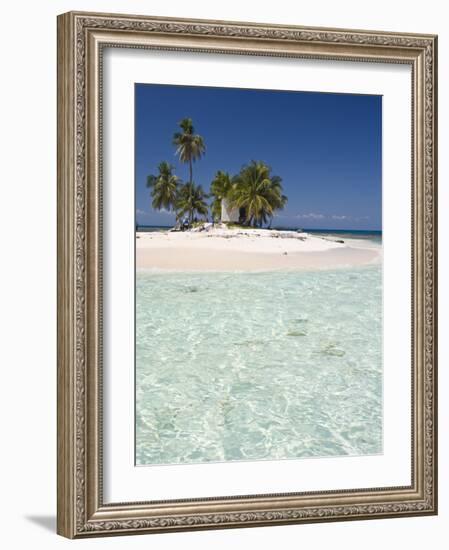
{"x": 247, "y": 250}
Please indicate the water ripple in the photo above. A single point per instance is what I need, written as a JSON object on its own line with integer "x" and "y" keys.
{"x": 252, "y": 366}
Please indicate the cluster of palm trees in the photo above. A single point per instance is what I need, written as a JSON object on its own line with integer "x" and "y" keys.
{"x": 167, "y": 190}
{"x": 254, "y": 190}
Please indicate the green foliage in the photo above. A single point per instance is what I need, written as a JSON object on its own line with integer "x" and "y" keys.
{"x": 191, "y": 200}
{"x": 254, "y": 190}
{"x": 257, "y": 191}
{"x": 189, "y": 146}
{"x": 164, "y": 187}
{"x": 220, "y": 188}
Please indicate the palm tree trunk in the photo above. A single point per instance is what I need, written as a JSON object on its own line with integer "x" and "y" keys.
{"x": 191, "y": 182}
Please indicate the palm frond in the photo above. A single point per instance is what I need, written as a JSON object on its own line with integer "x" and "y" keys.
{"x": 258, "y": 192}
{"x": 189, "y": 146}
{"x": 164, "y": 187}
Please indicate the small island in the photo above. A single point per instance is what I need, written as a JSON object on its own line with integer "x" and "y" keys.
{"x": 232, "y": 232}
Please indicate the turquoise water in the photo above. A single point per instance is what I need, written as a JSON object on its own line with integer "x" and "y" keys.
{"x": 249, "y": 366}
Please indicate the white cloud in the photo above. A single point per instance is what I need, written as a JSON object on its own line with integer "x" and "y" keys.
{"x": 334, "y": 217}
{"x": 165, "y": 211}
{"x": 311, "y": 216}
{"x": 144, "y": 214}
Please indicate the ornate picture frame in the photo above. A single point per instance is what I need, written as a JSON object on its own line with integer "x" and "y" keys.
{"x": 82, "y": 38}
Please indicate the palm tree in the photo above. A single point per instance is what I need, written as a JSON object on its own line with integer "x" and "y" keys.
{"x": 191, "y": 200}
{"x": 220, "y": 189}
{"x": 189, "y": 146}
{"x": 277, "y": 199}
{"x": 164, "y": 187}
{"x": 258, "y": 192}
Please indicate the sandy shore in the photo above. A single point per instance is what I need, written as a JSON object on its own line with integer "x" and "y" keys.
{"x": 218, "y": 249}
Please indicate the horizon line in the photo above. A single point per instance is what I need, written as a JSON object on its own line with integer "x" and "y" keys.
{"x": 283, "y": 227}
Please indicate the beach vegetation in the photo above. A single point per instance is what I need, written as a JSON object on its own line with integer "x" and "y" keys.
{"x": 189, "y": 146}
{"x": 252, "y": 196}
{"x": 220, "y": 189}
{"x": 257, "y": 193}
{"x": 191, "y": 201}
{"x": 164, "y": 187}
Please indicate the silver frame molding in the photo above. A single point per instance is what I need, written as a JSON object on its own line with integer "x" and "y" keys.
{"x": 81, "y": 39}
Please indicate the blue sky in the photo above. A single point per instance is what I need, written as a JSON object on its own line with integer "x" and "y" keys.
{"x": 326, "y": 148}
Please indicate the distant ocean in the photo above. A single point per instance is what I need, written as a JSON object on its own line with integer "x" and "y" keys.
{"x": 152, "y": 228}
{"x": 259, "y": 366}
{"x": 358, "y": 234}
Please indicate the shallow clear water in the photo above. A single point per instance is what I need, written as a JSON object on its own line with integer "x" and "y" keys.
{"x": 247, "y": 366}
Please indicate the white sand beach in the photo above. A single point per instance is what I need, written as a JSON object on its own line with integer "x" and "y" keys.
{"x": 236, "y": 249}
